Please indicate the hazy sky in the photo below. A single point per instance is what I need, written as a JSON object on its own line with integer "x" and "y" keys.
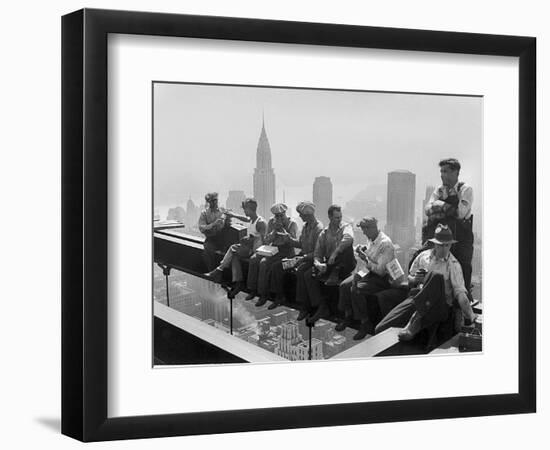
{"x": 205, "y": 138}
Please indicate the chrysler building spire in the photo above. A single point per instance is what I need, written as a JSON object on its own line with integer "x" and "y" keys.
{"x": 263, "y": 152}
{"x": 264, "y": 177}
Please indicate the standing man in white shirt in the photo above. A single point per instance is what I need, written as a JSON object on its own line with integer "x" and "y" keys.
{"x": 451, "y": 204}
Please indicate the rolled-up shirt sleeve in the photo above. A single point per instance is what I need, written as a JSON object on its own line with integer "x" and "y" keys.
{"x": 465, "y": 203}
{"x": 309, "y": 241}
{"x": 319, "y": 253}
{"x": 204, "y": 227}
{"x": 293, "y": 230}
{"x": 315, "y": 237}
{"x": 457, "y": 279}
{"x": 414, "y": 266}
{"x": 420, "y": 262}
{"x": 347, "y": 238}
{"x": 433, "y": 198}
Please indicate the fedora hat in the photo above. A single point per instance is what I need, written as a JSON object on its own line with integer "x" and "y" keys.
{"x": 443, "y": 235}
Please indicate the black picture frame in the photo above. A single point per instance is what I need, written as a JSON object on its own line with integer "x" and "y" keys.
{"x": 84, "y": 224}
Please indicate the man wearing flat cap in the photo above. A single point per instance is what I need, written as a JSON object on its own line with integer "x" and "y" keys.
{"x": 436, "y": 278}
{"x": 211, "y": 224}
{"x": 279, "y": 229}
{"x": 306, "y": 244}
{"x": 357, "y": 292}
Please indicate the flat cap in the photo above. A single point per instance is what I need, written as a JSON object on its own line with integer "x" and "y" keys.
{"x": 279, "y": 208}
{"x": 306, "y": 208}
{"x": 368, "y": 221}
{"x": 211, "y": 196}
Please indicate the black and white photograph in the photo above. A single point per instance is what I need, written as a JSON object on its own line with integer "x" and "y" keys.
{"x": 275, "y": 225}
{"x": 299, "y": 224}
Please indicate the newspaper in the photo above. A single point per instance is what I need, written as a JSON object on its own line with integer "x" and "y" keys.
{"x": 394, "y": 269}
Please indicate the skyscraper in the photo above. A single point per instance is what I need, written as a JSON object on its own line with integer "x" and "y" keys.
{"x": 264, "y": 176}
{"x": 301, "y": 350}
{"x": 322, "y": 197}
{"x": 427, "y": 195}
{"x": 400, "y": 216}
{"x": 423, "y": 230}
{"x": 288, "y": 340}
{"x": 234, "y": 201}
{"x": 291, "y": 345}
{"x": 191, "y": 217}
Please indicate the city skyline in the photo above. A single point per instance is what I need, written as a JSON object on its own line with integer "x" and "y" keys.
{"x": 206, "y": 138}
{"x": 373, "y": 153}
{"x": 368, "y": 201}
{"x": 275, "y": 331}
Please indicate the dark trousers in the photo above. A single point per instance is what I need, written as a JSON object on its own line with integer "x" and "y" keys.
{"x": 260, "y": 270}
{"x": 303, "y": 271}
{"x": 311, "y": 290}
{"x": 344, "y": 295}
{"x": 278, "y": 275}
{"x": 463, "y": 252}
{"x": 358, "y": 295}
{"x": 430, "y": 304}
{"x": 313, "y": 296}
{"x": 390, "y": 298}
{"x": 210, "y": 256}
